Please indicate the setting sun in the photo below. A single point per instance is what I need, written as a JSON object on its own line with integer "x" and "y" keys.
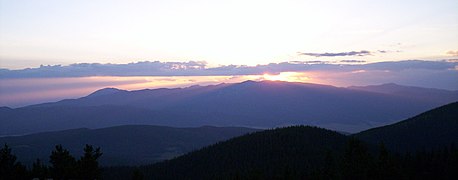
{"x": 287, "y": 76}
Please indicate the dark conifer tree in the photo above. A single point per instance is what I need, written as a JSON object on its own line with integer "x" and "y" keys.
{"x": 88, "y": 167}
{"x": 63, "y": 164}
{"x": 39, "y": 170}
{"x": 7, "y": 162}
{"x": 357, "y": 162}
{"x": 9, "y": 168}
{"x": 385, "y": 167}
{"x": 330, "y": 167}
{"x": 137, "y": 175}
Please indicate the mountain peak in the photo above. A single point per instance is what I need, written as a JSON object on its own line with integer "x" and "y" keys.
{"x": 105, "y": 91}
{"x": 248, "y": 82}
{"x": 5, "y": 108}
{"x": 384, "y": 85}
{"x": 390, "y": 84}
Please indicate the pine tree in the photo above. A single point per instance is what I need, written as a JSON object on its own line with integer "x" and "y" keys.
{"x": 63, "y": 164}
{"x": 88, "y": 165}
{"x": 137, "y": 175}
{"x": 386, "y": 167}
{"x": 9, "y": 168}
{"x": 330, "y": 167}
{"x": 357, "y": 162}
{"x": 39, "y": 170}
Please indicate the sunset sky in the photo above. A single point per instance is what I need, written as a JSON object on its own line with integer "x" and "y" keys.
{"x": 53, "y": 49}
{"x": 247, "y": 32}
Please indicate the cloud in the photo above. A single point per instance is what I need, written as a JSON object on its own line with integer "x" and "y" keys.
{"x": 144, "y": 68}
{"x": 353, "y": 61}
{"x": 196, "y": 68}
{"x": 388, "y": 51}
{"x": 351, "y": 53}
{"x": 453, "y": 53}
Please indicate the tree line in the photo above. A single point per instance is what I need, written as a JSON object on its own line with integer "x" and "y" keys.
{"x": 358, "y": 162}
{"x": 299, "y": 153}
{"x": 62, "y": 165}
{"x": 285, "y": 159}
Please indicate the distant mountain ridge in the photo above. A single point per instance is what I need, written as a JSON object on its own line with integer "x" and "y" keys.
{"x": 262, "y": 104}
{"x": 105, "y": 91}
{"x": 122, "y": 145}
{"x": 427, "y": 94}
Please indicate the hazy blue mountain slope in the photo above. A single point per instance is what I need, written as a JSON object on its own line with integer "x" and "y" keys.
{"x": 255, "y": 104}
{"x": 122, "y": 145}
{"x": 425, "y": 94}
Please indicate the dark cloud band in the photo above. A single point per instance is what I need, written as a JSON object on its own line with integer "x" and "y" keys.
{"x": 196, "y": 68}
{"x": 351, "y": 53}
{"x": 353, "y": 61}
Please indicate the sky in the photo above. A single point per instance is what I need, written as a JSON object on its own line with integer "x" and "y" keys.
{"x": 242, "y": 32}
{"x": 53, "y": 49}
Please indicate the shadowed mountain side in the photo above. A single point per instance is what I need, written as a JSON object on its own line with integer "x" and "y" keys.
{"x": 123, "y": 145}
{"x": 426, "y": 94}
{"x": 432, "y": 129}
{"x": 271, "y": 152}
{"x": 304, "y": 152}
{"x": 250, "y": 103}
{"x": 43, "y": 119}
{"x": 147, "y": 98}
{"x": 105, "y": 91}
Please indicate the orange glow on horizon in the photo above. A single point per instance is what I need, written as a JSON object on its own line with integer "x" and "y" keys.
{"x": 287, "y": 76}
{"x": 38, "y": 90}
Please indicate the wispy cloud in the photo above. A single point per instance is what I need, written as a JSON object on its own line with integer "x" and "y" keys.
{"x": 351, "y": 53}
{"x": 353, "y": 61}
{"x": 453, "y": 53}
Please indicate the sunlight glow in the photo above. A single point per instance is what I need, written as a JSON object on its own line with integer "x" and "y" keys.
{"x": 26, "y": 91}
{"x": 287, "y": 76}
{"x": 20, "y": 92}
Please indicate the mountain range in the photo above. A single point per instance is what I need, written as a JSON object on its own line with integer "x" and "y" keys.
{"x": 122, "y": 145}
{"x": 264, "y": 104}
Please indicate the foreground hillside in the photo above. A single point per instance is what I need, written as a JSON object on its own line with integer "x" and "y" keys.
{"x": 264, "y": 104}
{"x": 304, "y": 152}
{"x": 270, "y": 153}
{"x": 122, "y": 145}
{"x": 431, "y": 129}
